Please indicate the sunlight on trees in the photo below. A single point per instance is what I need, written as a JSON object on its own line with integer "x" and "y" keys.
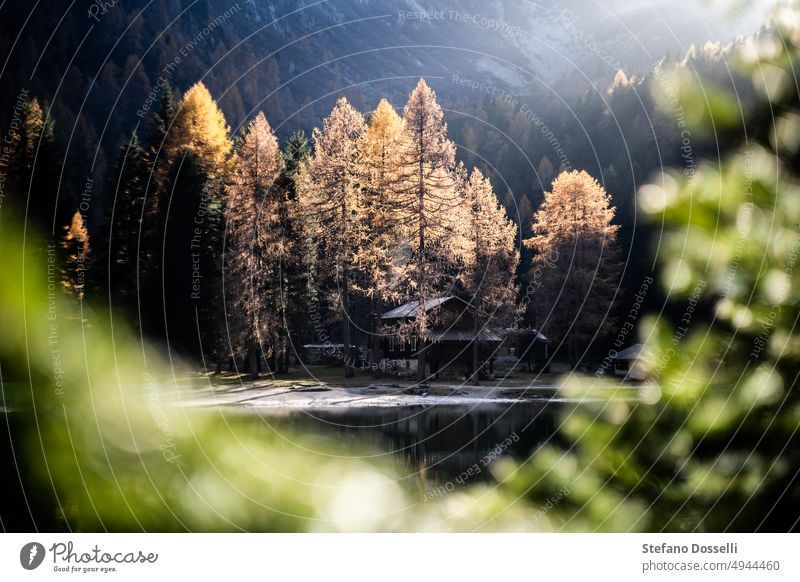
{"x": 200, "y": 127}
{"x": 330, "y": 202}
{"x": 75, "y": 248}
{"x": 424, "y": 205}
{"x": 490, "y": 258}
{"x": 576, "y": 262}
{"x": 256, "y": 209}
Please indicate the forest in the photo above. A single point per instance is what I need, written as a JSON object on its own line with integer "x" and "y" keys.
{"x": 519, "y": 140}
{"x": 174, "y": 233}
{"x": 232, "y": 250}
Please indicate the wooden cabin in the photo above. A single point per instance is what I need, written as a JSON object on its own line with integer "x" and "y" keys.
{"x": 449, "y": 345}
{"x": 625, "y": 363}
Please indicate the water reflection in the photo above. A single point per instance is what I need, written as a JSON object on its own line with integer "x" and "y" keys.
{"x": 430, "y": 445}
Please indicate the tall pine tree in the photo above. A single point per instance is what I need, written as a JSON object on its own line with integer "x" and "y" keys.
{"x": 192, "y": 262}
{"x": 75, "y": 256}
{"x": 159, "y": 157}
{"x": 331, "y": 205}
{"x": 256, "y": 249}
{"x": 125, "y": 225}
{"x": 36, "y": 168}
{"x": 490, "y": 259}
{"x": 295, "y": 155}
{"x": 298, "y": 287}
{"x": 425, "y": 202}
{"x": 576, "y": 262}
{"x": 382, "y": 182}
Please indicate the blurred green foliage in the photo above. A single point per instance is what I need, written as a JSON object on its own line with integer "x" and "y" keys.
{"x": 711, "y": 443}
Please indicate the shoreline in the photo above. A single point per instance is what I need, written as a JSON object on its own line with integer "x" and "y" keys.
{"x": 317, "y": 395}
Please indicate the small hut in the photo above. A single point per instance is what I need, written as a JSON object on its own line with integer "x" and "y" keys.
{"x": 449, "y": 346}
{"x": 625, "y": 363}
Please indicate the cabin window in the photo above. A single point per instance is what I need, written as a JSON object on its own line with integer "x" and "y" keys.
{"x": 512, "y": 350}
{"x": 414, "y": 343}
{"x": 391, "y": 343}
{"x": 402, "y": 346}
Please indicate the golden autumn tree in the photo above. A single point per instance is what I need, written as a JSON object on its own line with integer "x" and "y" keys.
{"x": 382, "y": 180}
{"x": 332, "y": 209}
{"x": 75, "y": 252}
{"x": 576, "y": 262}
{"x": 424, "y": 203}
{"x": 192, "y": 277}
{"x": 35, "y": 165}
{"x": 200, "y": 127}
{"x": 490, "y": 258}
{"x": 255, "y": 249}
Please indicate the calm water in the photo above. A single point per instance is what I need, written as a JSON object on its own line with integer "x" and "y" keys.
{"x": 429, "y": 444}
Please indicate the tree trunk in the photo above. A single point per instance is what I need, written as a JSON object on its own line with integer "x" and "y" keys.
{"x": 284, "y": 355}
{"x": 421, "y": 362}
{"x": 346, "y": 351}
{"x": 252, "y": 361}
{"x": 421, "y": 275}
{"x": 377, "y": 356}
{"x": 475, "y": 354}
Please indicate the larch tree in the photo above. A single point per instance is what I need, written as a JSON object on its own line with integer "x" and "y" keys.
{"x": 35, "y": 170}
{"x": 256, "y": 248}
{"x": 192, "y": 259}
{"x": 490, "y": 260}
{"x": 200, "y": 127}
{"x": 331, "y": 206}
{"x": 382, "y": 181}
{"x": 545, "y": 171}
{"x": 424, "y": 205}
{"x": 75, "y": 256}
{"x": 576, "y": 262}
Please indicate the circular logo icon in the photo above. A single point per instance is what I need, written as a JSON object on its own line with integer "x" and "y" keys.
{"x": 31, "y": 555}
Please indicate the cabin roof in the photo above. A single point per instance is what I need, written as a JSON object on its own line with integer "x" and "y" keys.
{"x": 630, "y": 353}
{"x": 411, "y": 309}
{"x": 463, "y": 335}
{"x": 536, "y": 333}
{"x": 540, "y": 336}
